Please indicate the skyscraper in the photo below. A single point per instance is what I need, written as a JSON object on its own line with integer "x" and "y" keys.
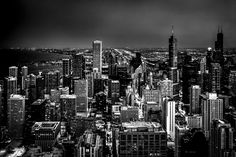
{"x": 212, "y": 109}
{"x": 81, "y": 91}
{"x": 97, "y": 55}
{"x": 51, "y": 80}
{"x": 172, "y": 50}
{"x": 232, "y": 81}
{"x": 13, "y": 71}
{"x": 11, "y": 83}
{"x": 24, "y": 73}
{"x": 142, "y": 139}
{"x": 219, "y": 48}
{"x": 66, "y": 67}
{"x": 16, "y": 115}
{"x": 166, "y": 87}
{"x": 168, "y": 110}
{"x": 78, "y": 66}
{"x": 215, "y": 72}
{"x": 221, "y": 139}
{"x": 195, "y": 92}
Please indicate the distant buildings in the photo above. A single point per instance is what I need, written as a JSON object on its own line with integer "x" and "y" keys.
{"x": 172, "y": 50}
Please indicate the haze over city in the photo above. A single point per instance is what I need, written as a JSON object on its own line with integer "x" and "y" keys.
{"x": 135, "y": 24}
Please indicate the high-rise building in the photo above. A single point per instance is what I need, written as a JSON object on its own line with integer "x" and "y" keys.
{"x": 190, "y": 77}
{"x": 114, "y": 89}
{"x": 142, "y": 139}
{"x": 68, "y": 108}
{"x": 232, "y": 81}
{"x": 38, "y": 110}
{"x": 203, "y": 66}
{"x": 128, "y": 114}
{"x": 195, "y": 92}
{"x": 51, "y": 80}
{"x": 24, "y": 74}
{"x": 89, "y": 145}
{"x": 11, "y": 83}
{"x": 97, "y": 55}
{"x": 194, "y": 121}
{"x": 151, "y": 95}
{"x": 172, "y": 50}
{"x": 212, "y": 109}
{"x": 2, "y": 108}
{"x": 215, "y": 72}
{"x": 24, "y": 71}
{"x": 45, "y": 134}
{"x": 16, "y": 115}
{"x": 90, "y": 85}
{"x": 174, "y": 76}
{"x": 221, "y": 139}
{"x": 219, "y": 48}
{"x": 13, "y": 71}
{"x": 78, "y": 66}
{"x": 66, "y": 67}
{"x": 168, "y": 118}
{"x": 166, "y": 87}
{"x": 81, "y": 91}
{"x": 180, "y": 131}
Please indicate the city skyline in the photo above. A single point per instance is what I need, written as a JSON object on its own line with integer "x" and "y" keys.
{"x": 139, "y": 24}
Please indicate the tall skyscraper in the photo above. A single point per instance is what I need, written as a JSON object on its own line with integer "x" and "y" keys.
{"x": 11, "y": 83}
{"x": 195, "y": 92}
{"x": 24, "y": 73}
{"x": 190, "y": 77}
{"x": 97, "y": 55}
{"x": 174, "y": 76}
{"x": 221, "y": 139}
{"x": 212, "y": 109}
{"x": 13, "y": 71}
{"x": 66, "y": 67}
{"x": 78, "y": 66}
{"x": 215, "y": 72}
{"x": 51, "y": 80}
{"x": 172, "y": 50}
{"x": 113, "y": 89}
{"x": 16, "y": 115}
{"x": 68, "y": 109}
{"x": 232, "y": 81}
{"x": 81, "y": 91}
{"x": 219, "y": 48}
{"x": 180, "y": 131}
{"x": 168, "y": 118}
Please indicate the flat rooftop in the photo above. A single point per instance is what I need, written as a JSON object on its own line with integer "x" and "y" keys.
{"x": 45, "y": 125}
{"x": 135, "y": 126}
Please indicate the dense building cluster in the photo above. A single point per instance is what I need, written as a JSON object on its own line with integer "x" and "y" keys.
{"x": 117, "y": 102}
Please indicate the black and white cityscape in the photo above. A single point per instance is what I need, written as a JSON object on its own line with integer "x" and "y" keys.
{"x": 118, "y": 78}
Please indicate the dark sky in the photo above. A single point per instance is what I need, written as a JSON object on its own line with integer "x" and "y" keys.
{"x": 121, "y": 23}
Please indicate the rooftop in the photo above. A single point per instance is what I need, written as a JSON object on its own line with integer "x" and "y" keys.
{"x": 45, "y": 125}
{"x": 137, "y": 125}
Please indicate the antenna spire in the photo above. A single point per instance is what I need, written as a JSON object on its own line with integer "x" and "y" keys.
{"x": 172, "y": 30}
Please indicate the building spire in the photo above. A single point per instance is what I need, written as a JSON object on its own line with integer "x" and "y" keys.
{"x": 218, "y": 28}
{"x": 172, "y": 30}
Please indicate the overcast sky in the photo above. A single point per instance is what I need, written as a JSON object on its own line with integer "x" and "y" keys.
{"x": 121, "y": 23}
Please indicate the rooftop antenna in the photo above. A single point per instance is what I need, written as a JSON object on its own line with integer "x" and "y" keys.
{"x": 172, "y": 30}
